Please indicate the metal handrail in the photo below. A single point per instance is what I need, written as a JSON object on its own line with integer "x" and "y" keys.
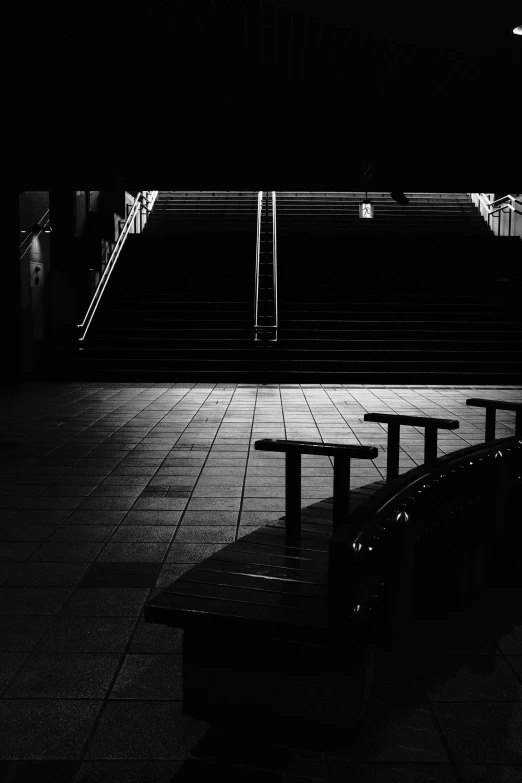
{"x": 495, "y": 207}
{"x": 258, "y": 248}
{"x": 501, "y": 201}
{"x": 274, "y": 240}
{"x": 502, "y": 206}
{"x": 142, "y": 201}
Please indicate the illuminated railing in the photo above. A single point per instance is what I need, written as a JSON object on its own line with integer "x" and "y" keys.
{"x": 258, "y": 251}
{"x": 267, "y": 330}
{"x": 144, "y": 202}
{"x": 495, "y": 207}
{"x": 274, "y": 246}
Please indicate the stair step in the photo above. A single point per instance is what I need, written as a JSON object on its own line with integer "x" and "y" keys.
{"x": 193, "y": 317}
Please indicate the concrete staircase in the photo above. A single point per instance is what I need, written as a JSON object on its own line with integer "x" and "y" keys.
{"x": 374, "y": 337}
{"x": 338, "y": 213}
{"x": 422, "y": 293}
{"x": 180, "y": 303}
{"x": 182, "y": 212}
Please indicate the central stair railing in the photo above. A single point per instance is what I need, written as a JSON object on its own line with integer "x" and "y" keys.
{"x": 265, "y": 294}
{"x": 143, "y": 205}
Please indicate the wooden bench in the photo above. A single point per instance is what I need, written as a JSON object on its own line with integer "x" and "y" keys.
{"x": 261, "y": 640}
{"x": 271, "y": 631}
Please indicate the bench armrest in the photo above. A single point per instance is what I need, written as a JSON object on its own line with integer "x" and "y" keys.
{"x": 321, "y": 449}
{"x": 342, "y": 454}
{"x": 412, "y": 421}
{"x": 492, "y": 406}
{"x": 394, "y": 421}
{"x": 499, "y": 405}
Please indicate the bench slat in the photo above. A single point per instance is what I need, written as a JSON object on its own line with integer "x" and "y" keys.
{"x": 313, "y": 523}
{"x": 318, "y": 552}
{"x": 248, "y": 595}
{"x": 315, "y": 527}
{"x": 204, "y": 574}
{"x": 188, "y": 610}
{"x": 260, "y": 560}
{"x": 232, "y": 566}
{"x": 300, "y": 556}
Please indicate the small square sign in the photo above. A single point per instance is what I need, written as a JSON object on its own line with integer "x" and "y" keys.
{"x": 365, "y": 210}
{"x": 36, "y": 271}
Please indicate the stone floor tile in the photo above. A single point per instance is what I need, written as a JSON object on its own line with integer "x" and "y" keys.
{"x": 13, "y": 502}
{"x": 19, "y": 633}
{"x": 45, "y": 728}
{"x": 471, "y": 678}
{"x": 264, "y": 504}
{"x": 17, "y": 532}
{"x": 215, "y": 491}
{"x": 134, "y": 552}
{"x": 67, "y": 551}
{"x": 482, "y": 733}
{"x": 489, "y": 773}
{"x": 154, "y": 638}
{"x": 28, "y": 771}
{"x": 128, "y": 771}
{"x": 32, "y": 600}
{"x": 160, "y": 504}
{"x": 98, "y": 517}
{"x": 145, "y": 730}
{"x": 53, "y": 503}
{"x": 205, "y": 533}
{"x": 15, "y": 551}
{"x": 148, "y": 534}
{"x": 64, "y": 676}
{"x": 210, "y": 518}
{"x": 149, "y": 676}
{"x": 10, "y": 664}
{"x": 82, "y": 533}
{"x": 47, "y": 574}
{"x": 6, "y": 570}
{"x": 106, "y": 602}
{"x": 145, "y": 517}
{"x": 343, "y": 772}
{"x": 187, "y": 552}
{"x": 395, "y": 733}
{"x": 515, "y": 661}
{"x": 87, "y": 635}
{"x": 508, "y": 635}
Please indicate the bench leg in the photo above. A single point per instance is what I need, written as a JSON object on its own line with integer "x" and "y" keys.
{"x": 293, "y": 496}
{"x": 286, "y": 687}
{"x": 490, "y": 424}
{"x": 392, "y": 459}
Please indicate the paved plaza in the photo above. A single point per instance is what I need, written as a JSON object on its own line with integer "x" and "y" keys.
{"x": 110, "y": 491}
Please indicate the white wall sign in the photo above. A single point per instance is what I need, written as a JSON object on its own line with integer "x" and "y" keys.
{"x": 36, "y": 271}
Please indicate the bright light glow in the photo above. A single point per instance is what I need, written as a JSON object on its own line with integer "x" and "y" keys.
{"x": 518, "y": 30}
